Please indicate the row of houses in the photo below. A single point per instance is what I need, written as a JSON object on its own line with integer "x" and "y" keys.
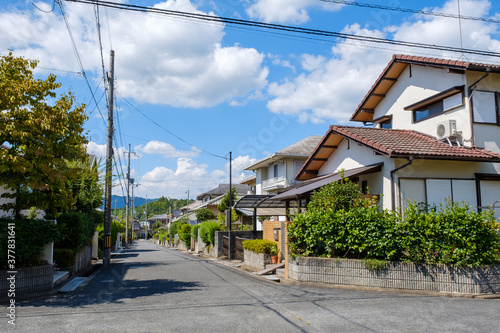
{"x": 426, "y": 131}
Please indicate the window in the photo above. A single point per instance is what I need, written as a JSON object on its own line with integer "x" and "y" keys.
{"x": 434, "y": 192}
{"x": 386, "y": 124}
{"x": 485, "y": 107}
{"x": 429, "y": 111}
{"x": 437, "y": 104}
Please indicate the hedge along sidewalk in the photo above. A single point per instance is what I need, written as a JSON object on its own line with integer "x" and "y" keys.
{"x": 398, "y": 275}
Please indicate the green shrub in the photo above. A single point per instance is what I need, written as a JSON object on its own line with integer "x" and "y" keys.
{"x": 185, "y": 234}
{"x": 375, "y": 264}
{"x": 64, "y": 258}
{"x": 27, "y": 240}
{"x": 340, "y": 222}
{"x": 194, "y": 231}
{"x": 208, "y": 229}
{"x": 453, "y": 234}
{"x": 174, "y": 227}
{"x": 76, "y": 229}
{"x": 204, "y": 214}
{"x": 116, "y": 228}
{"x": 261, "y": 246}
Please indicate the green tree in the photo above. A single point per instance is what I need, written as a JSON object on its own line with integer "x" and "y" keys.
{"x": 224, "y": 203}
{"x": 86, "y": 188}
{"x": 42, "y": 132}
{"x": 204, "y": 214}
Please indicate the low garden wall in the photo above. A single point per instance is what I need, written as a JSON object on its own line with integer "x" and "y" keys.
{"x": 182, "y": 246}
{"x": 83, "y": 260}
{"x": 397, "y": 275}
{"x": 29, "y": 280}
{"x": 256, "y": 260}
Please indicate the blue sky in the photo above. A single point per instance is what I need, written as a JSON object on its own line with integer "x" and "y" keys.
{"x": 220, "y": 88}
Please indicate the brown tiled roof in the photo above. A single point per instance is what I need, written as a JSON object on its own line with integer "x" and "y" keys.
{"x": 393, "y": 143}
{"x": 403, "y": 143}
{"x": 364, "y": 111}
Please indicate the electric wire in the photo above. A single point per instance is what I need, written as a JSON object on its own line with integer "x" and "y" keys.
{"x": 278, "y": 27}
{"x": 77, "y": 55}
{"x": 98, "y": 28}
{"x": 44, "y": 11}
{"x": 170, "y": 132}
{"x": 413, "y": 11}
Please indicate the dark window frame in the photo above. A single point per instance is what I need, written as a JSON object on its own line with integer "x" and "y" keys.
{"x": 497, "y": 107}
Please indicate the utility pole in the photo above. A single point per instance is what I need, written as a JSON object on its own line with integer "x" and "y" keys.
{"x": 127, "y": 204}
{"x": 109, "y": 166}
{"x": 133, "y": 208}
{"x": 230, "y": 190}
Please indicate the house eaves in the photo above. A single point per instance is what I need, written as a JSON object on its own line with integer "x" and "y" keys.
{"x": 393, "y": 143}
{"x": 389, "y": 76}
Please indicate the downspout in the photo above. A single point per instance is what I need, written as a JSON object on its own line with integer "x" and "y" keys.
{"x": 393, "y": 199}
{"x": 470, "y": 90}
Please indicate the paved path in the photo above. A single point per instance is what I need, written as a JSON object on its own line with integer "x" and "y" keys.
{"x": 153, "y": 289}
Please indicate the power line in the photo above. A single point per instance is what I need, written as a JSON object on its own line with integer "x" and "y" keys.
{"x": 98, "y": 27}
{"x": 75, "y": 51}
{"x": 44, "y": 11}
{"x": 413, "y": 11}
{"x": 278, "y": 27}
{"x": 170, "y": 132}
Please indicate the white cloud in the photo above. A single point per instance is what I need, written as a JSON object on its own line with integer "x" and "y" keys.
{"x": 167, "y": 150}
{"x": 158, "y": 59}
{"x": 286, "y": 11}
{"x": 100, "y": 151}
{"x": 174, "y": 183}
{"x": 238, "y": 173}
{"x": 330, "y": 89}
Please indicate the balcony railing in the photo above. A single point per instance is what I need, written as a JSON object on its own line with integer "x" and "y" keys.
{"x": 276, "y": 182}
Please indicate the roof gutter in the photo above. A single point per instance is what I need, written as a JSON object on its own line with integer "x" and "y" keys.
{"x": 393, "y": 199}
{"x": 470, "y": 90}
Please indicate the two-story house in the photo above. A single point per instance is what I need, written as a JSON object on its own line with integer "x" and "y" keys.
{"x": 277, "y": 171}
{"x": 433, "y": 135}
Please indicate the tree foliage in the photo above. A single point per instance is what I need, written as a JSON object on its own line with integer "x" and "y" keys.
{"x": 204, "y": 214}
{"x": 224, "y": 203}
{"x": 43, "y": 132}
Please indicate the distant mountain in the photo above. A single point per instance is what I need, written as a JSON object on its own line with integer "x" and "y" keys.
{"x": 120, "y": 202}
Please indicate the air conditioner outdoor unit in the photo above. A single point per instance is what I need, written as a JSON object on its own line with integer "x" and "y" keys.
{"x": 446, "y": 129}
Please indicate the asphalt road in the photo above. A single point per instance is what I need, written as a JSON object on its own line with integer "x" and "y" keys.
{"x": 152, "y": 289}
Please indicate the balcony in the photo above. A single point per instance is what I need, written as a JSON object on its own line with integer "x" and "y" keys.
{"x": 274, "y": 183}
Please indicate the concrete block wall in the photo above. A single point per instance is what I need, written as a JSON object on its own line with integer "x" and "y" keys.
{"x": 397, "y": 275}
{"x": 256, "y": 260}
{"x": 232, "y": 239}
{"x": 83, "y": 260}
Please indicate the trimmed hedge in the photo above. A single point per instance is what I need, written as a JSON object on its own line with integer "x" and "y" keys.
{"x": 261, "y": 246}
{"x": 77, "y": 229}
{"x": 208, "y": 229}
{"x": 340, "y": 222}
{"x": 27, "y": 240}
{"x": 194, "y": 231}
{"x": 64, "y": 258}
{"x": 185, "y": 234}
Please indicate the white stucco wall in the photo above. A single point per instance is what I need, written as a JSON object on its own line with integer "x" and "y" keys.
{"x": 357, "y": 156}
{"x": 4, "y": 201}
{"x": 423, "y": 83}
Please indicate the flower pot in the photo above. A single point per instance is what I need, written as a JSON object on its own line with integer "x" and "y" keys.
{"x": 274, "y": 259}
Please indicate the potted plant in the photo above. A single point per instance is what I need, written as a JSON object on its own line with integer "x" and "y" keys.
{"x": 273, "y": 251}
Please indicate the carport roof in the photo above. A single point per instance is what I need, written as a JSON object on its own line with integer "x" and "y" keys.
{"x": 259, "y": 201}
